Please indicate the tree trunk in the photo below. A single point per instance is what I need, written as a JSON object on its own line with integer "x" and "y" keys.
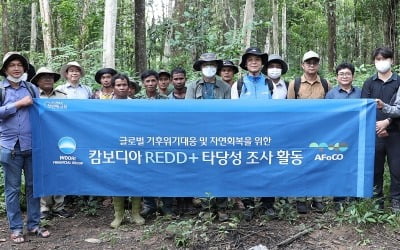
{"x": 248, "y": 22}
{"x": 267, "y": 45}
{"x": 110, "y": 21}
{"x": 275, "y": 24}
{"x": 391, "y": 32}
{"x": 33, "y": 44}
{"x": 179, "y": 19}
{"x": 140, "y": 36}
{"x": 168, "y": 35}
{"x": 84, "y": 24}
{"x": 4, "y": 30}
{"x": 331, "y": 11}
{"x": 46, "y": 27}
{"x": 284, "y": 32}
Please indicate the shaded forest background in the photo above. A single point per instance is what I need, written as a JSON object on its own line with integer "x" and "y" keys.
{"x": 169, "y": 33}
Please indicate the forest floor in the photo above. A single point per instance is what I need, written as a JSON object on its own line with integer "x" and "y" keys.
{"x": 290, "y": 231}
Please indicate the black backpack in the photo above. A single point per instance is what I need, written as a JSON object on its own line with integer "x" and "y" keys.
{"x": 297, "y": 83}
{"x": 267, "y": 82}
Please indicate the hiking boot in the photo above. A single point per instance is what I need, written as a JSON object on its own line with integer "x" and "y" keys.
{"x": 62, "y": 213}
{"x": 302, "y": 207}
{"x": 222, "y": 216}
{"x": 395, "y": 205}
{"x": 318, "y": 206}
{"x": 270, "y": 213}
{"x": 248, "y": 214}
{"x": 45, "y": 215}
{"x": 147, "y": 211}
{"x": 338, "y": 206}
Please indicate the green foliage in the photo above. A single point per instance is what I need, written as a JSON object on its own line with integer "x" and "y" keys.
{"x": 89, "y": 207}
{"x": 367, "y": 212}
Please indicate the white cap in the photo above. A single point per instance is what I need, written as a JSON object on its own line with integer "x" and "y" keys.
{"x": 310, "y": 54}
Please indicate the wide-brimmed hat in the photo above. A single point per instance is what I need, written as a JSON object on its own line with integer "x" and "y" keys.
{"x": 103, "y": 71}
{"x": 9, "y": 56}
{"x": 310, "y": 54}
{"x": 164, "y": 72}
{"x": 42, "y": 71}
{"x": 253, "y": 51}
{"x": 65, "y": 68}
{"x": 207, "y": 57}
{"x": 230, "y": 64}
{"x": 275, "y": 59}
{"x": 135, "y": 85}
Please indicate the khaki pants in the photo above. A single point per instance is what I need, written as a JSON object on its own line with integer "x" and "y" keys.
{"x": 52, "y": 203}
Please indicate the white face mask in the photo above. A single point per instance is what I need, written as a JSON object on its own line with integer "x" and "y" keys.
{"x": 209, "y": 71}
{"x": 16, "y": 80}
{"x": 383, "y": 66}
{"x": 274, "y": 73}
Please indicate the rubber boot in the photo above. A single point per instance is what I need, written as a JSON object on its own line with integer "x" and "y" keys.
{"x": 119, "y": 211}
{"x": 136, "y": 218}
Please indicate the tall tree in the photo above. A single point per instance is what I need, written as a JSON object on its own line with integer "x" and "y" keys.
{"x": 391, "y": 30}
{"x": 168, "y": 36}
{"x": 110, "y": 21}
{"x": 331, "y": 11}
{"x": 284, "y": 32}
{"x": 140, "y": 36}
{"x": 46, "y": 27}
{"x": 4, "y": 30}
{"x": 248, "y": 22}
{"x": 275, "y": 24}
{"x": 84, "y": 24}
{"x": 33, "y": 29}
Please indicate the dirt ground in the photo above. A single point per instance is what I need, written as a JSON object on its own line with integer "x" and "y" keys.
{"x": 311, "y": 231}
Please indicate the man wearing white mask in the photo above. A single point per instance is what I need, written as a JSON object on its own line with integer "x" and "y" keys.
{"x": 384, "y": 85}
{"x": 208, "y": 87}
{"x": 275, "y": 68}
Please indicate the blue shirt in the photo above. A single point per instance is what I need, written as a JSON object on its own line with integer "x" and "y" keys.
{"x": 15, "y": 125}
{"x": 255, "y": 87}
{"x": 339, "y": 93}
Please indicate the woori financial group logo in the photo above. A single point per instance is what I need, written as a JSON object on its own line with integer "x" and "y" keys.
{"x": 67, "y": 145}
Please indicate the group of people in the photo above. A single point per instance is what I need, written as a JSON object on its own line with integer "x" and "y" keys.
{"x": 262, "y": 79}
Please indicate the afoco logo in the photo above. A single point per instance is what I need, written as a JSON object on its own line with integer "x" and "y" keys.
{"x": 339, "y": 146}
{"x": 67, "y": 145}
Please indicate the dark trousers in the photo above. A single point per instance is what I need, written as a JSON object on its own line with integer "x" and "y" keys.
{"x": 388, "y": 148}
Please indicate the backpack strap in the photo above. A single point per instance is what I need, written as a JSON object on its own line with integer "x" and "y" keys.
{"x": 29, "y": 87}
{"x": 297, "y": 83}
{"x": 2, "y": 92}
{"x": 270, "y": 85}
{"x": 325, "y": 85}
{"x": 239, "y": 85}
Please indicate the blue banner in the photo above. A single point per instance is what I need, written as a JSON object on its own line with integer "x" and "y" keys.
{"x": 196, "y": 148}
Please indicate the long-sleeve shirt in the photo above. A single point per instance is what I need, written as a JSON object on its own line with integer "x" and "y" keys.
{"x": 15, "y": 125}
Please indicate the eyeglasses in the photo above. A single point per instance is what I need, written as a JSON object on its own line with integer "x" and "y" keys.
{"x": 343, "y": 74}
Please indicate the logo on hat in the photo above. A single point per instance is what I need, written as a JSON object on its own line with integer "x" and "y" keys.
{"x": 67, "y": 145}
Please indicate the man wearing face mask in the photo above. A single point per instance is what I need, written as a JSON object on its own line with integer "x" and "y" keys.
{"x": 208, "y": 87}
{"x": 384, "y": 85}
{"x": 274, "y": 69}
